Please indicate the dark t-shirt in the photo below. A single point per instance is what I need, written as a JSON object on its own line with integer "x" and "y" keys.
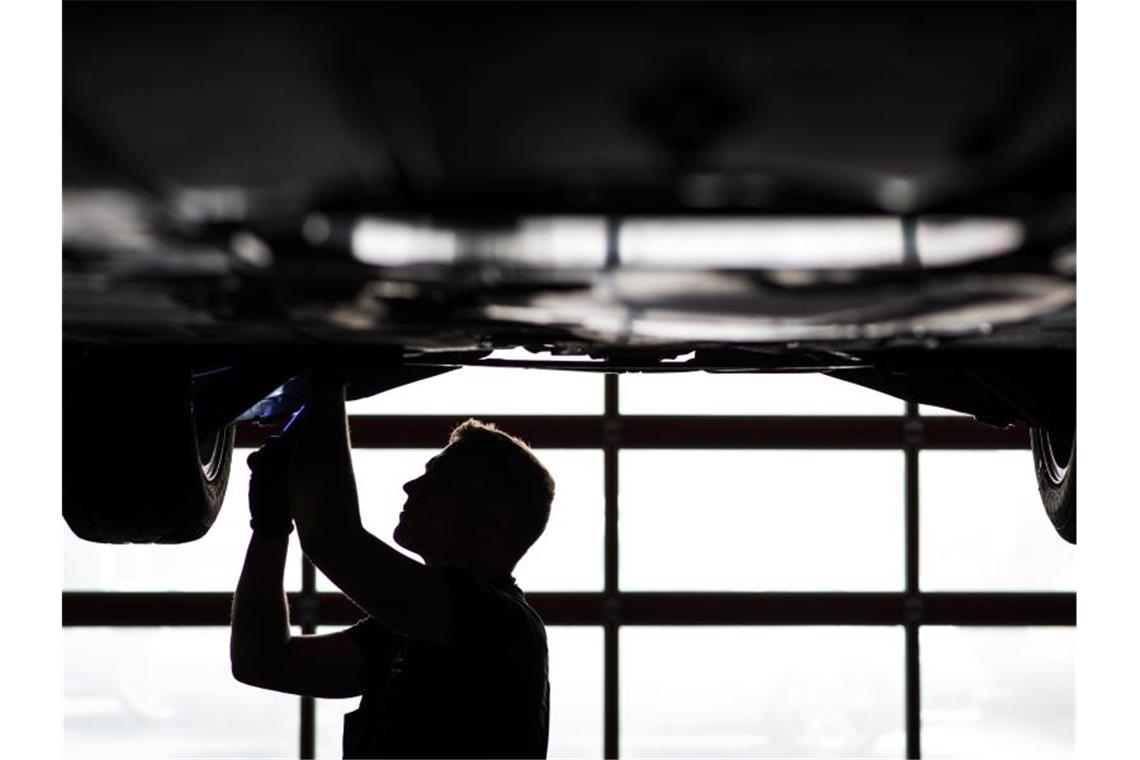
{"x": 486, "y": 695}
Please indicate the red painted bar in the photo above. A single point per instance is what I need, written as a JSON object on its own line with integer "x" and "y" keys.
{"x": 83, "y": 608}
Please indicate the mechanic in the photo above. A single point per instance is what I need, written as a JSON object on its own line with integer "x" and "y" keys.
{"x": 451, "y": 660}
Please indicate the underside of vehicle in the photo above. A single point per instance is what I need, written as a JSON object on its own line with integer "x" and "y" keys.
{"x": 883, "y": 192}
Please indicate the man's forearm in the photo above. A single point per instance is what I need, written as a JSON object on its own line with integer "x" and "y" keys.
{"x": 259, "y": 627}
{"x": 323, "y": 495}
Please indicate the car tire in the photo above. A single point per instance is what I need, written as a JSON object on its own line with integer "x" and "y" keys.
{"x": 136, "y": 469}
{"x": 1055, "y": 464}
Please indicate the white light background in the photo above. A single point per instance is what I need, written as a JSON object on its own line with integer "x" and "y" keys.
{"x": 771, "y": 691}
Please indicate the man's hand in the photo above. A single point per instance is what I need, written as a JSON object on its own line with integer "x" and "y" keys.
{"x": 269, "y": 488}
{"x": 263, "y": 651}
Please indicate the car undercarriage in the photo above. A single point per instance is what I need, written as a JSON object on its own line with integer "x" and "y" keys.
{"x": 884, "y": 193}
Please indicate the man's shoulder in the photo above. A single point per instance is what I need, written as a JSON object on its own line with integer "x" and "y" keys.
{"x": 486, "y": 606}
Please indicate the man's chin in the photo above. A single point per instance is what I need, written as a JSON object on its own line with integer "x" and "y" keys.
{"x": 400, "y": 536}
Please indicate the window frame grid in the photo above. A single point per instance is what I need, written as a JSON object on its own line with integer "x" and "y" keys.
{"x": 612, "y": 608}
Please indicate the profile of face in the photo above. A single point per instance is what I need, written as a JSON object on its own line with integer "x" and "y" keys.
{"x": 439, "y": 521}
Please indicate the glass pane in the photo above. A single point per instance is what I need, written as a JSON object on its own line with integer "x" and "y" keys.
{"x": 761, "y": 520}
{"x": 983, "y": 526}
{"x": 938, "y": 411}
{"x": 997, "y": 692}
{"x": 167, "y": 692}
{"x": 568, "y": 556}
{"x": 576, "y": 691}
{"x": 762, "y": 692}
{"x": 212, "y": 563}
{"x": 575, "y": 697}
{"x": 330, "y": 724}
{"x": 478, "y": 391}
{"x": 750, "y": 394}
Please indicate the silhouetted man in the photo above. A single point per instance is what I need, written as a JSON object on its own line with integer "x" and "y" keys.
{"x": 451, "y": 660}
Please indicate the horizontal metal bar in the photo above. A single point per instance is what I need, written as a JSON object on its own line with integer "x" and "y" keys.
{"x": 773, "y": 608}
{"x": 682, "y": 432}
{"x": 998, "y": 608}
{"x": 847, "y": 608}
{"x": 88, "y": 608}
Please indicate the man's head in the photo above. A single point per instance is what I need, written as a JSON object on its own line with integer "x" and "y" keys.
{"x": 485, "y": 498}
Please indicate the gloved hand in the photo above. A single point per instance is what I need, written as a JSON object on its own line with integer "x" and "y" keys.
{"x": 268, "y": 488}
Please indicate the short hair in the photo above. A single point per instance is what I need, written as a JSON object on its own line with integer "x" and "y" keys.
{"x": 520, "y": 481}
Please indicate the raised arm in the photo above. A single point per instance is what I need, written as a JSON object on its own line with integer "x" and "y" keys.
{"x": 400, "y": 593}
{"x": 263, "y": 652}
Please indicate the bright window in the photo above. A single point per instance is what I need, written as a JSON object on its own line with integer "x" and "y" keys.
{"x": 741, "y": 394}
{"x": 575, "y": 691}
{"x": 761, "y": 520}
{"x": 997, "y": 692}
{"x": 492, "y": 391}
{"x": 938, "y": 411}
{"x": 167, "y": 692}
{"x": 983, "y": 527}
{"x": 762, "y": 692}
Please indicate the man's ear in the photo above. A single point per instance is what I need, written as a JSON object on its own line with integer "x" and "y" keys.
{"x": 501, "y": 517}
{"x": 503, "y": 523}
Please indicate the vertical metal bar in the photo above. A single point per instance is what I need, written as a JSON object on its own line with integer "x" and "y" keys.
{"x": 308, "y": 626}
{"x": 913, "y": 695}
{"x": 912, "y": 444}
{"x": 611, "y": 432}
{"x": 610, "y": 719}
{"x": 612, "y": 611}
